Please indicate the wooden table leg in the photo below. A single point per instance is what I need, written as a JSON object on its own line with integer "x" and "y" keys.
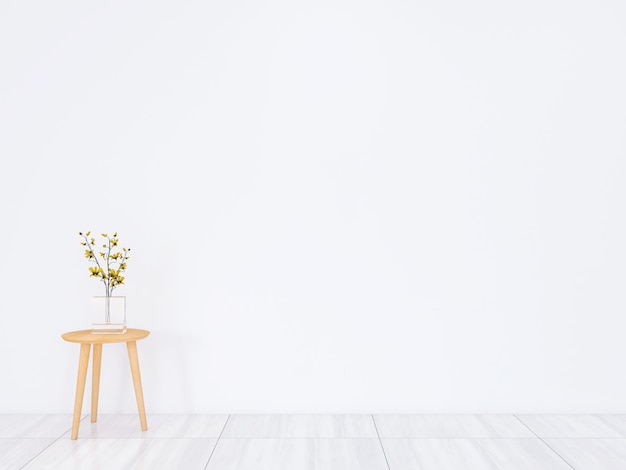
{"x": 134, "y": 368}
{"x": 95, "y": 380}
{"x": 83, "y": 363}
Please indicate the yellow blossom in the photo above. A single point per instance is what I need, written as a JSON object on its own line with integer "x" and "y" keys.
{"x": 96, "y": 271}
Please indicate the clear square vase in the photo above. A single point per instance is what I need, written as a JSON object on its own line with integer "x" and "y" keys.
{"x": 108, "y": 314}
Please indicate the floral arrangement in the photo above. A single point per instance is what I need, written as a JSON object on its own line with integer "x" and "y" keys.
{"x": 106, "y": 271}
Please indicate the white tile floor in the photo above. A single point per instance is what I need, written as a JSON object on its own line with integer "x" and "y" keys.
{"x": 316, "y": 442}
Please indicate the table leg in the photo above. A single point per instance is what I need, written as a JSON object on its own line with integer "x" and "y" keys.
{"x": 134, "y": 368}
{"x": 95, "y": 380}
{"x": 83, "y": 363}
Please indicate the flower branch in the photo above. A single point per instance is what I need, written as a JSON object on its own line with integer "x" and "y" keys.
{"x": 110, "y": 276}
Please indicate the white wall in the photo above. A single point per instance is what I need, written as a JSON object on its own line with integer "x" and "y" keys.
{"x": 334, "y": 206}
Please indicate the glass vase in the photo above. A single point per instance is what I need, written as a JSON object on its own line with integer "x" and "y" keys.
{"x": 108, "y": 314}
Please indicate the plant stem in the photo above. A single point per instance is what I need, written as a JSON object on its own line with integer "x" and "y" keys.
{"x": 95, "y": 260}
{"x": 108, "y": 268}
{"x": 107, "y": 310}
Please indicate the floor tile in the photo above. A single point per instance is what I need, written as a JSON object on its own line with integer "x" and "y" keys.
{"x": 121, "y": 454}
{"x": 591, "y": 454}
{"x": 15, "y": 453}
{"x": 576, "y": 426}
{"x": 34, "y": 426}
{"x": 159, "y": 426}
{"x": 298, "y": 454}
{"x": 299, "y": 426}
{"x": 451, "y": 426}
{"x": 471, "y": 454}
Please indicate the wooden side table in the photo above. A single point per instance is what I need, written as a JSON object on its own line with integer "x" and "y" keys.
{"x": 86, "y": 339}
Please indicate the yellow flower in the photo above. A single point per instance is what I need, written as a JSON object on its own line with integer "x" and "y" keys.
{"x": 88, "y": 254}
{"x": 96, "y": 271}
{"x": 115, "y": 277}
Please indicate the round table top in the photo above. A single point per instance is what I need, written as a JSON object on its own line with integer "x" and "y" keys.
{"x": 86, "y": 336}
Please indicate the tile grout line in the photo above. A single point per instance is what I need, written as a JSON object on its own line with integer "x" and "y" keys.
{"x": 50, "y": 445}
{"x": 131, "y": 438}
{"x": 218, "y": 441}
{"x": 545, "y": 443}
{"x": 381, "y": 442}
